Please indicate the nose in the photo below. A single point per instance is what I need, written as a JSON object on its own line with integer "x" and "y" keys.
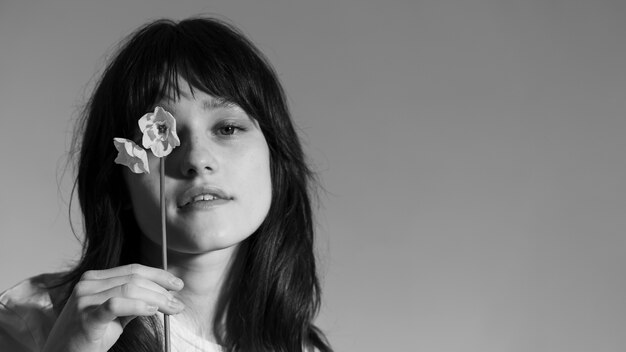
{"x": 196, "y": 157}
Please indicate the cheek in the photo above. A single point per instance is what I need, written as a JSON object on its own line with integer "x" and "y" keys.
{"x": 263, "y": 190}
{"x": 143, "y": 189}
{"x": 258, "y": 180}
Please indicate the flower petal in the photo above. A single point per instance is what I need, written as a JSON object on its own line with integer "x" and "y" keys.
{"x": 144, "y": 121}
{"x": 162, "y": 115}
{"x": 148, "y": 138}
{"x": 153, "y": 138}
{"x": 173, "y": 137}
{"x": 161, "y": 149}
{"x": 131, "y": 155}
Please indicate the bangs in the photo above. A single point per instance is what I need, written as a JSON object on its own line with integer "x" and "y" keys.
{"x": 208, "y": 57}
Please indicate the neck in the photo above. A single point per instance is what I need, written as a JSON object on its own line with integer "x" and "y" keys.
{"x": 203, "y": 274}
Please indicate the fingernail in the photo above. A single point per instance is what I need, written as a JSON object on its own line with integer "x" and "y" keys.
{"x": 175, "y": 303}
{"x": 176, "y": 282}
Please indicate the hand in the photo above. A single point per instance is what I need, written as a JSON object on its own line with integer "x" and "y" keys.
{"x": 103, "y": 302}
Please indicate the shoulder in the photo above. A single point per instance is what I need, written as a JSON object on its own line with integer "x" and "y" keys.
{"x": 27, "y": 314}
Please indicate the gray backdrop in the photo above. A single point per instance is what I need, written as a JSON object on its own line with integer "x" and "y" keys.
{"x": 471, "y": 152}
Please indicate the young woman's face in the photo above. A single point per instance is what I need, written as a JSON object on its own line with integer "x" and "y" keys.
{"x": 217, "y": 182}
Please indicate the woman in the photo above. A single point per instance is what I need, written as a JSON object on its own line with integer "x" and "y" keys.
{"x": 241, "y": 274}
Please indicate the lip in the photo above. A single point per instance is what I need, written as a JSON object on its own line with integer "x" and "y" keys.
{"x": 186, "y": 199}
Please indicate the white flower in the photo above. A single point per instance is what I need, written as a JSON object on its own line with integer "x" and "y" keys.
{"x": 159, "y": 132}
{"x": 131, "y": 155}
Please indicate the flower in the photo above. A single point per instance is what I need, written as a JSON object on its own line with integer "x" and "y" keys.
{"x": 159, "y": 132}
{"x": 131, "y": 155}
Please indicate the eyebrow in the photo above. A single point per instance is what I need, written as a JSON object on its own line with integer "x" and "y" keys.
{"x": 207, "y": 104}
{"x": 217, "y": 103}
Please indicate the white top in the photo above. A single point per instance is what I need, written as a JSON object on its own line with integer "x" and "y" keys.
{"x": 27, "y": 316}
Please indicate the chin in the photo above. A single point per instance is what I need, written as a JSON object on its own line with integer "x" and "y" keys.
{"x": 204, "y": 243}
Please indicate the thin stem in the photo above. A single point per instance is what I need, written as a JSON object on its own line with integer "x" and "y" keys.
{"x": 166, "y": 317}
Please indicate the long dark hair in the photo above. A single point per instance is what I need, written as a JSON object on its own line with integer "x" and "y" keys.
{"x": 272, "y": 294}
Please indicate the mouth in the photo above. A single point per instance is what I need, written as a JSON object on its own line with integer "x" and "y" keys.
{"x": 204, "y": 195}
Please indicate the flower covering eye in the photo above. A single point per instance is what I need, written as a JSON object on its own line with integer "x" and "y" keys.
{"x": 131, "y": 155}
{"x": 159, "y": 132}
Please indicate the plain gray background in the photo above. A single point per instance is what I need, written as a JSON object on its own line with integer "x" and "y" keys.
{"x": 472, "y": 154}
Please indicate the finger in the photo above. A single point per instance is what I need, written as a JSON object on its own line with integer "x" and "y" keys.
{"x": 160, "y": 276}
{"x": 92, "y": 287}
{"x": 117, "y": 307}
{"x": 165, "y": 302}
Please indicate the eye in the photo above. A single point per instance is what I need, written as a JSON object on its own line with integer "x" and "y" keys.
{"x": 229, "y": 129}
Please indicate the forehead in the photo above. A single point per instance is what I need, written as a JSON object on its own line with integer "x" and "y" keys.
{"x": 206, "y": 101}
